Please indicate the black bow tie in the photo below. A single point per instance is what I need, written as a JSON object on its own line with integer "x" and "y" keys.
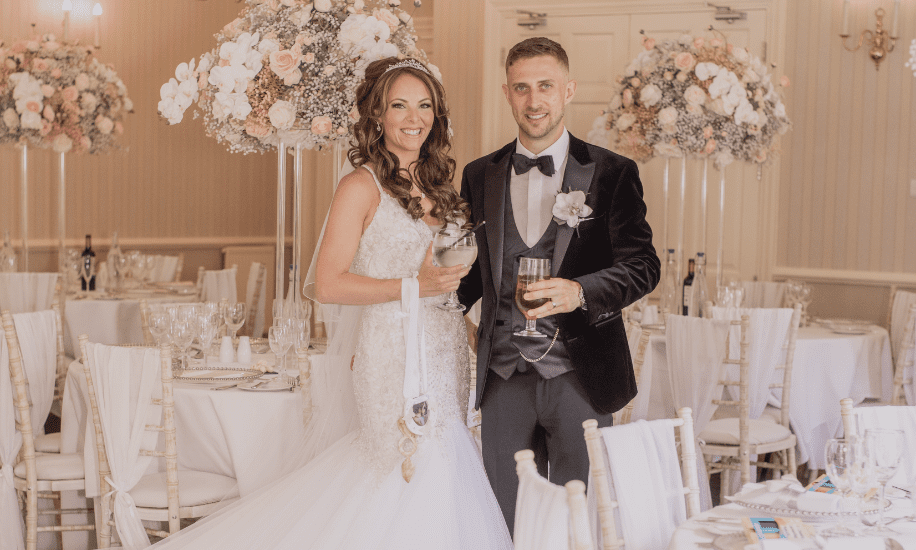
{"x": 522, "y": 164}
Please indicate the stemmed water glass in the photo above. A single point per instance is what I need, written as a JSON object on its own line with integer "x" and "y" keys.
{"x": 530, "y": 270}
{"x": 206, "y": 332}
{"x": 452, "y": 247}
{"x": 182, "y": 336}
{"x": 234, "y": 316}
{"x": 841, "y": 458}
{"x": 159, "y": 325}
{"x": 280, "y": 338}
{"x": 884, "y": 450}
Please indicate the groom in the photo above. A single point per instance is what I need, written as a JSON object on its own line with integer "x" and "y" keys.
{"x": 534, "y": 393}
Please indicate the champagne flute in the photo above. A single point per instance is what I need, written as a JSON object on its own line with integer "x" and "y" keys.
{"x": 235, "y": 317}
{"x": 530, "y": 270}
{"x": 206, "y": 332}
{"x": 884, "y": 450}
{"x": 452, "y": 247}
{"x": 182, "y": 336}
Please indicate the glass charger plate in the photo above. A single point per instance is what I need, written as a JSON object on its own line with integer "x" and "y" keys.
{"x": 269, "y": 386}
{"x": 870, "y": 508}
{"x": 214, "y": 374}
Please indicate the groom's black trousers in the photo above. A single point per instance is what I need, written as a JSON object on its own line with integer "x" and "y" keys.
{"x": 528, "y": 412}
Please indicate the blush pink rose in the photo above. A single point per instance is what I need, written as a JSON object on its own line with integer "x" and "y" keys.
{"x": 385, "y": 16}
{"x": 48, "y": 112}
{"x": 321, "y": 125}
{"x": 118, "y": 128}
{"x": 635, "y": 82}
{"x": 47, "y": 90}
{"x": 341, "y": 130}
{"x": 51, "y": 45}
{"x": 284, "y": 62}
{"x": 329, "y": 70}
{"x": 45, "y": 128}
{"x": 55, "y": 73}
{"x": 33, "y": 106}
{"x": 699, "y": 42}
{"x": 710, "y": 147}
{"x": 255, "y": 128}
{"x": 784, "y": 81}
{"x": 761, "y": 157}
{"x": 10, "y": 64}
{"x": 70, "y": 93}
{"x": 39, "y": 64}
{"x": 85, "y": 143}
{"x": 715, "y": 42}
{"x": 308, "y": 57}
{"x": 354, "y": 114}
{"x": 627, "y": 97}
{"x": 685, "y": 61}
{"x": 202, "y": 81}
{"x": 707, "y": 132}
{"x": 648, "y": 43}
{"x": 104, "y": 124}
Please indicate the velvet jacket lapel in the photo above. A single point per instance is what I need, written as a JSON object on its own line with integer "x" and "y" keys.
{"x": 496, "y": 179}
{"x": 580, "y": 170}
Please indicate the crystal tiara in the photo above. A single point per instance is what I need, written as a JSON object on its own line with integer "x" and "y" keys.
{"x": 412, "y": 63}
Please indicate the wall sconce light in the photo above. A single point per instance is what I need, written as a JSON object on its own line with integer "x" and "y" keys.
{"x": 879, "y": 41}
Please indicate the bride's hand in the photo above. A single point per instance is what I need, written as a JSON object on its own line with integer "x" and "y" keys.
{"x": 436, "y": 280}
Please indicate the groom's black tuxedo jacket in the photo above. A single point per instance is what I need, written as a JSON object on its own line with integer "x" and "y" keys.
{"x": 610, "y": 255}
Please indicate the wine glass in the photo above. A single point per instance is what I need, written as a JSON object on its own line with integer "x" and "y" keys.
{"x": 884, "y": 450}
{"x": 841, "y": 458}
{"x": 182, "y": 336}
{"x": 206, "y": 332}
{"x": 234, "y": 317}
{"x": 530, "y": 270}
{"x": 159, "y": 325}
{"x": 280, "y": 339}
{"x": 452, "y": 247}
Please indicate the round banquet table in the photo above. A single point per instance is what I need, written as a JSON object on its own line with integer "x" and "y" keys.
{"x": 242, "y": 434}
{"x": 693, "y": 534}
{"x": 827, "y": 367}
{"x": 113, "y": 320}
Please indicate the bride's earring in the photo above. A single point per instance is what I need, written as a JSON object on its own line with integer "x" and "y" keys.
{"x": 378, "y": 126}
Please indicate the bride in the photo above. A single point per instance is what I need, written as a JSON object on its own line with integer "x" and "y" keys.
{"x": 409, "y": 474}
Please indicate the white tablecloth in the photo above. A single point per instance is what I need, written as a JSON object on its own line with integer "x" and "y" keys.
{"x": 236, "y": 433}
{"x": 111, "y": 321}
{"x": 827, "y": 368}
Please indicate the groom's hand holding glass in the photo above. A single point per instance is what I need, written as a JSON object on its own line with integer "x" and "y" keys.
{"x": 562, "y": 297}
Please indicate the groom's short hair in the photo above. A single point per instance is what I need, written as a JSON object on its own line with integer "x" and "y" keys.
{"x": 535, "y": 47}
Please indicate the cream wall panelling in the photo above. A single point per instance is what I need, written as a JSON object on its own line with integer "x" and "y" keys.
{"x": 601, "y": 38}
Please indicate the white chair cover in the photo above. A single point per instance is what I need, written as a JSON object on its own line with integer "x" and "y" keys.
{"x": 541, "y": 514}
{"x": 902, "y": 302}
{"x": 164, "y": 268}
{"x": 257, "y": 302}
{"x": 763, "y": 294}
{"x": 219, "y": 284}
{"x": 645, "y": 479}
{"x": 37, "y": 334}
{"x": 125, "y": 381}
{"x": 894, "y": 418}
{"x": 769, "y": 328}
{"x": 11, "y": 523}
{"x": 695, "y": 349}
{"x": 24, "y": 292}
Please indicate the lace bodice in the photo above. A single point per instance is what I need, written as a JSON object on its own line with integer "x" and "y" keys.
{"x": 394, "y": 246}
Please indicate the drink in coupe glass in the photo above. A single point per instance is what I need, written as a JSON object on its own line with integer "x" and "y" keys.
{"x": 530, "y": 270}
{"x": 453, "y": 247}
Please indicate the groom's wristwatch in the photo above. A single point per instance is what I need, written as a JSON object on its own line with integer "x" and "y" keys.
{"x": 582, "y": 298}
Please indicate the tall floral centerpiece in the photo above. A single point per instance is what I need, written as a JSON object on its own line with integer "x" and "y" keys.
{"x": 284, "y": 74}
{"x": 57, "y": 95}
{"x": 698, "y": 97}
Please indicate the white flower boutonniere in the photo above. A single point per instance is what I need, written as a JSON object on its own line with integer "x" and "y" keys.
{"x": 570, "y": 208}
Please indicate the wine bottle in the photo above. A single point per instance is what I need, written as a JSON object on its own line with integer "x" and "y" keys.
{"x": 688, "y": 282}
{"x": 88, "y": 275}
{"x": 699, "y": 291}
{"x": 669, "y": 285}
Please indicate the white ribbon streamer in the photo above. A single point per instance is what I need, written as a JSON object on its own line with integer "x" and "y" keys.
{"x": 415, "y": 378}
{"x": 128, "y": 522}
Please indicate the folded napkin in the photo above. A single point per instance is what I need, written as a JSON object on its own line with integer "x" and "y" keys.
{"x": 855, "y": 543}
{"x": 786, "y": 544}
{"x": 776, "y": 493}
{"x": 811, "y": 501}
{"x": 906, "y": 542}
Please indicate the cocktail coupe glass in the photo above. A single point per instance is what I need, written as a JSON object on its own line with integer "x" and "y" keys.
{"x": 884, "y": 451}
{"x": 530, "y": 270}
{"x": 452, "y": 247}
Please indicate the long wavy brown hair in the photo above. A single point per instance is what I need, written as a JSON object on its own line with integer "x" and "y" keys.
{"x": 433, "y": 171}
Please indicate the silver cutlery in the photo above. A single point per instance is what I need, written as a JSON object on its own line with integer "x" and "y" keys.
{"x": 218, "y": 388}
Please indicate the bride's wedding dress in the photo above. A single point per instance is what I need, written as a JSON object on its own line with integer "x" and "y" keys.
{"x": 352, "y": 495}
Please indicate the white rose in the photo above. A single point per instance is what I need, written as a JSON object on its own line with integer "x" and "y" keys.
{"x": 667, "y": 116}
{"x": 750, "y": 76}
{"x": 31, "y": 121}
{"x": 268, "y": 46}
{"x": 706, "y": 70}
{"x": 89, "y": 102}
{"x": 323, "y": 6}
{"x": 723, "y": 159}
{"x": 405, "y": 17}
{"x": 282, "y": 114}
{"x": 437, "y": 74}
{"x": 745, "y": 114}
{"x": 762, "y": 118}
{"x": 780, "y": 110}
{"x": 104, "y": 124}
{"x": 631, "y": 68}
{"x": 82, "y": 81}
{"x": 650, "y": 95}
{"x": 11, "y": 119}
{"x": 625, "y": 121}
{"x": 62, "y": 144}
{"x": 615, "y": 103}
{"x": 128, "y": 104}
{"x": 740, "y": 54}
{"x": 288, "y": 3}
{"x": 695, "y": 95}
{"x": 665, "y": 149}
{"x": 302, "y": 16}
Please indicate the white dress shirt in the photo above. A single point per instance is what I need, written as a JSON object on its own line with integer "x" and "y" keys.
{"x": 533, "y": 194}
